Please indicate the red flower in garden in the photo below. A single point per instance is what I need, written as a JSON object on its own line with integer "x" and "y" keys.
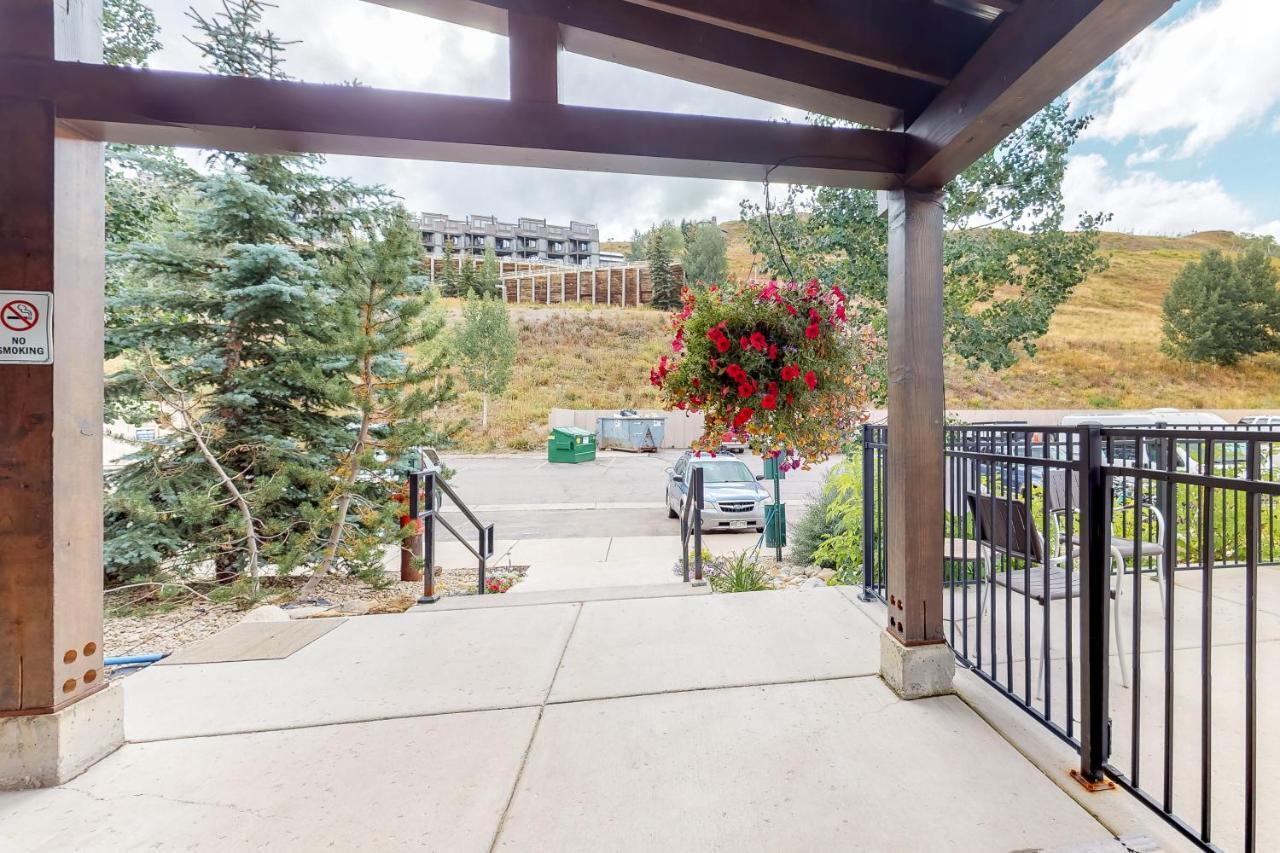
{"x": 744, "y": 415}
{"x": 789, "y": 372}
{"x": 835, "y": 288}
{"x": 840, "y": 315}
{"x": 735, "y": 371}
{"x": 773, "y": 352}
{"x": 722, "y": 344}
{"x": 744, "y": 342}
{"x": 677, "y": 343}
{"x": 746, "y": 389}
{"x": 812, "y": 330}
{"x": 759, "y": 342}
{"x": 811, "y": 379}
{"x": 811, "y": 289}
{"x": 791, "y": 309}
{"x": 770, "y": 402}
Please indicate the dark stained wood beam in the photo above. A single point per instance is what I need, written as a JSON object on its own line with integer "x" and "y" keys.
{"x": 699, "y": 52}
{"x": 1037, "y": 52}
{"x": 923, "y": 40}
{"x": 207, "y": 111}
{"x": 534, "y": 45}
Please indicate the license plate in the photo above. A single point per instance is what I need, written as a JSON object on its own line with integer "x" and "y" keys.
{"x": 737, "y": 524}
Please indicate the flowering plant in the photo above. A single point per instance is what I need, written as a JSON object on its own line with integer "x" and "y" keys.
{"x": 778, "y": 366}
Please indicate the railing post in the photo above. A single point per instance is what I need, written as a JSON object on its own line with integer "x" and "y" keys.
{"x": 428, "y": 533}
{"x": 697, "y": 492}
{"x": 483, "y": 537}
{"x": 868, "y": 516}
{"x": 1095, "y": 604}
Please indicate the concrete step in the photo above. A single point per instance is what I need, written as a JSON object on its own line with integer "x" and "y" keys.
{"x": 562, "y": 596}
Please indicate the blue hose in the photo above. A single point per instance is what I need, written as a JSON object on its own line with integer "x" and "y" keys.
{"x": 134, "y": 660}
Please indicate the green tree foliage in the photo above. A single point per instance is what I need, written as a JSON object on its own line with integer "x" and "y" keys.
{"x": 704, "y": 258}
{"x": 130, "y": 33}
{"x": 484, "y": 347}
{"x": 1008, "y": 262}
{"x": 489, "y": 280}
{"x": 642, "y": 241}
{"x": 228, "y": 304}
{"x": 666, "y": 290}
{"x": 1221, "y": 310}
{"x": 383, "y": 313}
{"x": 450, "y": 275}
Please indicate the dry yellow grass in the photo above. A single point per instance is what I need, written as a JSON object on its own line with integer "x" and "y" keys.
{"x": 1102, "y": 351}
{"x": 576, "y": 358}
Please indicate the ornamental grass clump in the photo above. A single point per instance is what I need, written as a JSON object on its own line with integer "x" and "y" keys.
{"x": 782, "y": 367}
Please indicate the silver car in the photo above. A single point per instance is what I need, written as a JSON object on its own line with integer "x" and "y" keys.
{"x": 733, "y": 499}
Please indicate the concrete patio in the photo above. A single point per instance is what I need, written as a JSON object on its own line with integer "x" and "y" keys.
{"x": 690, "y": 722}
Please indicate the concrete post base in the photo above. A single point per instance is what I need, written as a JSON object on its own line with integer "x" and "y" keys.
{"x": 43, "y": 750}
{"x": 914, "y": 672}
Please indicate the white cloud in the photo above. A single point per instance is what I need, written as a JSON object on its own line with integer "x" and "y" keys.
{"x": 1204, "y": 76}
{"x": 342, "y": 40}
{"x": 1146, "y": 155}
{"x": 1145, "y": 203}
{"x": 1272, "y": 228}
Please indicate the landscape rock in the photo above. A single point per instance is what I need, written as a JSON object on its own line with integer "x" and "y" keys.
{"x": 267, "y": 613}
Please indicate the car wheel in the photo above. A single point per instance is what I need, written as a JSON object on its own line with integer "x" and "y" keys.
{"x": 759, "y": 530}
{"x": 671, "y": 513}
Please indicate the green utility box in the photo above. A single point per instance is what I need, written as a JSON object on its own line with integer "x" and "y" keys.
{"x": 571, "y": 444}
{"x": 775, "y": 525}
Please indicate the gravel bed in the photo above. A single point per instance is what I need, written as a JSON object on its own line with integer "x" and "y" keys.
{"x": 128, "y": 630}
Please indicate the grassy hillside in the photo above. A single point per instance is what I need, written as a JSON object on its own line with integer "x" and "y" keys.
{"x": 1102, "y": 351}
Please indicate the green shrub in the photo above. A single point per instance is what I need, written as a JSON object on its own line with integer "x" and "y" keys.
{"x": 1220, "y": 310}
{"x": 813, "y": 527}
{"x": 739, "y": 572}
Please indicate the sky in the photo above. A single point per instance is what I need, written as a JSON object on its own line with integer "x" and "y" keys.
{"x": 1185, "y": 133}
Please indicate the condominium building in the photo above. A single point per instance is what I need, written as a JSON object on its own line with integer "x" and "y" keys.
{"x": 527, "y": 239}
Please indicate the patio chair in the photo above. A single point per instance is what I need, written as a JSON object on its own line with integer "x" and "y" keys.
{"x": 1005, "y": 526}
{"x": 1122, "y": 547}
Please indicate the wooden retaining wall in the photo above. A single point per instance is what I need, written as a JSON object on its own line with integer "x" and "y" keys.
{"x": 549, "y": 284}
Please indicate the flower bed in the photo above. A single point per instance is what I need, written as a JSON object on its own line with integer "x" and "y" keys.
{"x": 777, "y": 366}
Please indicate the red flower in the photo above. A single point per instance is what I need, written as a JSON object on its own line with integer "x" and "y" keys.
{"x": 773, "y": 352}
{"x": 746, "y": 389}
{"x": 788, "y": 398}
{"x": 759, "y": 342}
{"x": 745, "y": 342}
{"x": 715, "y": 366}
{"x": 812, "y": 330}
{"x": 840, "y": 315}
{"x": 789, "y": 372}
{"x": 678, "y": 343}
{"x": 791, "y": 309}
{"x": 811, "y": 289}
{"x": 811, "y": 379}
{"x": 735, "y": 371}
{"x": 722, "y": 345}
{"x": 838, "y": 292}
{"x": 770, "y": 401}
{"x": 744, "y": 415}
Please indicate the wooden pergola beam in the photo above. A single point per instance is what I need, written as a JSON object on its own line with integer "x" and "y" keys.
{"x": 272, "y": 116}
{"x": 923, "y": 40}
{"x": 1037, "y": 51}
{"x": 700, "y": 52}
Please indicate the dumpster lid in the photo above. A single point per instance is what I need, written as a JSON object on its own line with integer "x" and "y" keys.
{"x": 572, "y": 431}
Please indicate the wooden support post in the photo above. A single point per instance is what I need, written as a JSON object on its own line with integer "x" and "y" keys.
{"x": 51, "y": 242}
{"x": 915, "y": 455}
{"x": 608, "y": 287}
{"x": 593, "y": 287}
{"x": 561, "y": 287}
{"x": 533, "y": 45}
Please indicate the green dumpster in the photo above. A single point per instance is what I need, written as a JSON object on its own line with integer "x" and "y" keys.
{"x": 571, "y": 444}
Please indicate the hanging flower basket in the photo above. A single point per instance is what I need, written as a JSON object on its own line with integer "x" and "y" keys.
{"x": 777, "y": 366}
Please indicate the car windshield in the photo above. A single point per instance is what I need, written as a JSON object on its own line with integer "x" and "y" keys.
{"x": 725, "y": 471}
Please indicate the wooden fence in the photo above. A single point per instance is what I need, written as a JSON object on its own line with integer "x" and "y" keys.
{"x": 531, "y": 282}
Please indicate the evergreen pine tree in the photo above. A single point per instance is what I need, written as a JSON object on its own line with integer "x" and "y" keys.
{"x": 449, "y": 275}
{"x": 231, "y": 304}
{"x": 489, "y": 282}
{"x": 1221, "y": 310}
{"x": 383, "y": 313}
{"x": 666, "y": 291}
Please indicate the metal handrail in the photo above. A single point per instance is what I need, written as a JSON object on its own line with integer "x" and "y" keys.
{"x": 428, "y": 483}
{"x": 692, "y": 512}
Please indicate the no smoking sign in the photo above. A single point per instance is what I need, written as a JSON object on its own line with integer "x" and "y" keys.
{"x": 26, "y": 326}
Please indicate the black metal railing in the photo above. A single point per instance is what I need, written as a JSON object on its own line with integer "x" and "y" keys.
{"x": 1101, "y": 578}
{"x": 427, "y": 491}
{"x": 691, "y": 525}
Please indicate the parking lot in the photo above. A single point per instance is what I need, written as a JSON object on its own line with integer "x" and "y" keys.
{"x": 619, "y": 494}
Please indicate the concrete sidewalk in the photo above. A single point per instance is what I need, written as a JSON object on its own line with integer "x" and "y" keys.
{"x": 751, "y": 722}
